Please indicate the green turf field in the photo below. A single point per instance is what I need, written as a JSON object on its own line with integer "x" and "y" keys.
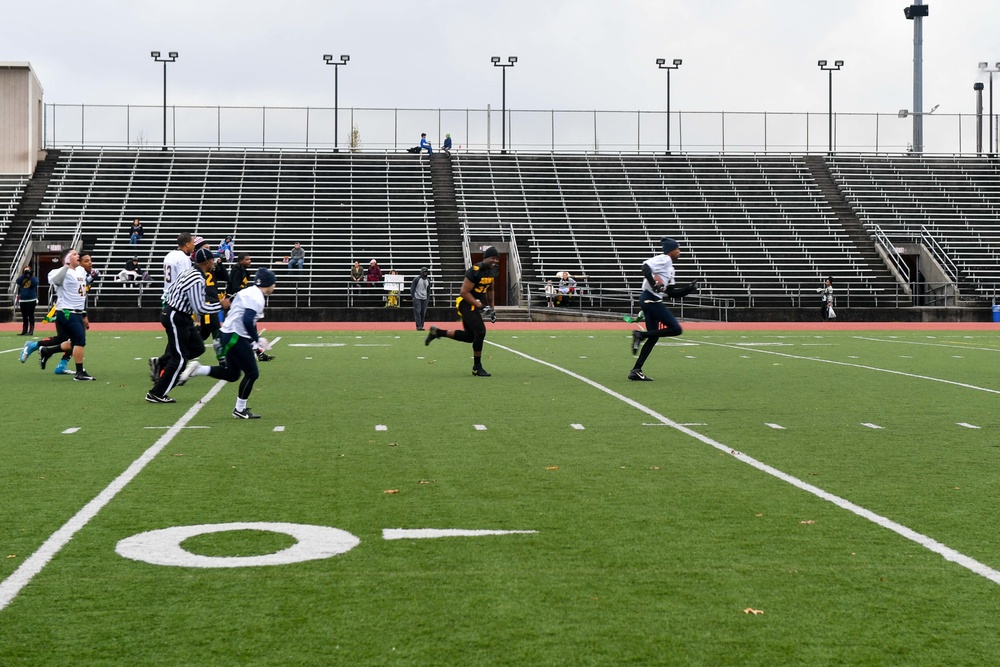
{"x": 841, "y": 485}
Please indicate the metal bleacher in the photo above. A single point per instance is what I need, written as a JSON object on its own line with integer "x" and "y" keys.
{"x": 755, "y": 228}
{"x": 11, "y": 189}
{"x": 340, "y": 206}
{"x": 956, "y": 199}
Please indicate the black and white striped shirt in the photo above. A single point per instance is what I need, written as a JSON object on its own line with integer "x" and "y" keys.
{"x": 187, "y": 294}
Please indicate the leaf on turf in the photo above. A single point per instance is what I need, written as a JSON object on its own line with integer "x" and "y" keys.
{"x": 426, "y": 481}
{"x": 552, "y": 467}
{"x": 751, "y": 610}
{"x": 394, "y": 444}
{"x": 391, "y": 491}
{"x": 808, "y": 521}
{"x": 11, "y": 555}
{"x": 654, "y": 467}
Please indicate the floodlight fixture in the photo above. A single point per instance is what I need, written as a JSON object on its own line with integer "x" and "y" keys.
{"x": 171, "y": 57}
{"x": 837, "y": 64}
{"x": 503, "y": 98}
{"x": 328, "y": 59}
{"x": 991, "y": 71}
{"x": 661, "y": 63}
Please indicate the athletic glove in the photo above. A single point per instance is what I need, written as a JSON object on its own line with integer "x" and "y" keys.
{"x": 676, "y": 292}
{"x": 660, "y": 287}
{"x": 488, "y": 310}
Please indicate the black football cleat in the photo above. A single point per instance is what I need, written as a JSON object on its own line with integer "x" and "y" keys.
{"x": 636, "y": 341}
{"x": 480, "y": 372}
{"x": 244, "y": 414}
{"x": 43, "y": 357}
{"x": 83, "y": 376}
{"x": 637, "y": 375}
{"x": 153, "y": 398}
{"x": 431, "y": 336}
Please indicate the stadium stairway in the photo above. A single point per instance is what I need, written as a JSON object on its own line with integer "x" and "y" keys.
{"x": 27, "y": 210}
{"x": 848, "y": 220}
{"x": 449, "y": 230}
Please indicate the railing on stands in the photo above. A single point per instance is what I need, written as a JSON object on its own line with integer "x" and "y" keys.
{"x": 514, "y": 270}
{"x": 594, "y": 298}
{"x": 37, "y": 231}
{"x": 528, "y": 130}
{"x": 938, "y": 253}
{"x": 891, "y": 254}
{"x": 22, "y": 257}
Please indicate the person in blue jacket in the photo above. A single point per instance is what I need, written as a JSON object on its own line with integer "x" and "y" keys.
{"x": 446, "y": 147}
{"x": 425, "y": 144}
{"x": 27, "y": 297}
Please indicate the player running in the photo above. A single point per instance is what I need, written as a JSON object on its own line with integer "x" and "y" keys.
{"x": 239, "y": 335}
{"x": 657, "y": 278}
{"x": 475, "y": 301}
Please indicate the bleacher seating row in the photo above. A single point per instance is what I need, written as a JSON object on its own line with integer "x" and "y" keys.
{"x": 745, "y": 223}
{"x": 957, "y": 199}
{"x": 340, "y": 207}
{"x": 11, "y": 188}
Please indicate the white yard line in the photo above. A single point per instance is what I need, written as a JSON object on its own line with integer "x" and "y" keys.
{"x": 917, "y": 342}
{"x": 861, "y": 366}
{"x": 33, "y": 564}
{"x": 929, "y": 543}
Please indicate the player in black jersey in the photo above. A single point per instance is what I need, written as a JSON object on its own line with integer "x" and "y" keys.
{"x": 215, "y": 277}
{"x": 475, "y": 301}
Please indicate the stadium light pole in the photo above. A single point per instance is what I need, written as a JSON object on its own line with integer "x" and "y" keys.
{"x": 662, "y": 64}
{"x": 171, "y": 57}
{"x": 986, "y": 68}
{"x": 336, "y": 102}
{"x": 978, "y": 87}
{"x": 503, "y": 100}
{"x": 837, "y": 64}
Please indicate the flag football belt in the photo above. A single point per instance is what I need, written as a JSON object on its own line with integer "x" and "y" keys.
{"x": 67, "y": 312}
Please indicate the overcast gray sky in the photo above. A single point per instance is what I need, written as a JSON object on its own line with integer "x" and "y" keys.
{"x": 739, "y": 55}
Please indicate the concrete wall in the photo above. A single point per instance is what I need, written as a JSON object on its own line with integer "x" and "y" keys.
{"x": 20, "y": 119}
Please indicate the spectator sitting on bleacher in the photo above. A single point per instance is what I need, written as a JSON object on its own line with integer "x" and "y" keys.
{"x": 135, "y": 232}
{"x": 296, "y": 257}
{"x": 357, "y": 273}
{"x": 567, "y": 287}
{"x": 374, "y": 273}
{"x": 227, "y": 250}
{"x": 132, "y": 272}
{"x": 425, "y": 144}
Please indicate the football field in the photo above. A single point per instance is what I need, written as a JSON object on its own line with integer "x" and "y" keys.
{"x": 808, "y": 497}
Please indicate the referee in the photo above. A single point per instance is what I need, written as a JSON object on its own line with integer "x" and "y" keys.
{"x": 184, "y": 300}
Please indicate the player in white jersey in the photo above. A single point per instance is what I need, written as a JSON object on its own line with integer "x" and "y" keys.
{"x": 175, "y": 264}
{"x": 657, "y": 279}
{"x": 71, "y": 300}
{"x": 239, "y": 335}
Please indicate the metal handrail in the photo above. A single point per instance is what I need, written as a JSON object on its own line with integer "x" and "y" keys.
{"x": 889, "y": 250}
{"x": 938, "y": 253}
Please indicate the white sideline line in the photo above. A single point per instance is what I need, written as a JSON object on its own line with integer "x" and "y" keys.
{"x": 928, "y": 543}
{"x": 33, "y": 564}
